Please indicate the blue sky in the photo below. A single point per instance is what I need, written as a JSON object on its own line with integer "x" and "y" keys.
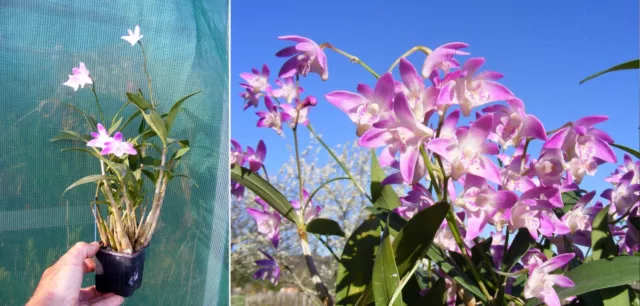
{"x": 543, "y": 49}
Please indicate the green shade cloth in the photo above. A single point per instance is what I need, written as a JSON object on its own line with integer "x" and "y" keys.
{"x": 187, "y": 46}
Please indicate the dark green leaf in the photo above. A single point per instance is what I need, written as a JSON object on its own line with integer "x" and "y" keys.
{"x": 356, "y": 262}
{"x": 603, "y": 273}
{"x": 599, "y": 274}
{"x": 175, "y": 109}
{"x": 627, "y": 149}
{"x": 436, "y": 294}
{"x": 602, "y": 243}
{"x": 265, "y": 191}
{"x": 416, "y": 236}
{"x": 616, "y": 296}
{"x": 633, "y": 64}
{"x": 385, "y": 275}
{"x": 635, "y": 222}
{"x": 569, "y": 199}
{"x": 326, "y": 227}
{"x": 383, "y": 196}
{"x": 157, "y": 125}
{"x": 184, "y": 148}
{"x": 131, "y": 118}
{"x": 150, "y": 175}
{"x": 452, "y": 269}
{"x": 71, "y": 135}
{"x": 139, "y": 101}
{"x": 520, "y": 245}
{"x": 89, "y": 179}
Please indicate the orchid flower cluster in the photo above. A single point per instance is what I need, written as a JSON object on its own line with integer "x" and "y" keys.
{"x": 459, "y": 142}
{"x": 125, "y": 162}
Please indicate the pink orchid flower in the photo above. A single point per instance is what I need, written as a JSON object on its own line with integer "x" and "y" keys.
{"x": 287, "y": 90}
{"x": 79, "y": 78}
{"x": 268, "y": 221}
{"x": 470, "y": 91}
{"x": 269, "y": 269}
{"x": 442, "y": 58}
{"x": 272, "y": 118}
{"x": 540, "y": 282}
{"x": 118, "y": 147}
{"x": 100, "y": 138}
{"x": 534, "y": 211}
{"x": 306, "y": 56}
{"x": 417, "y": 199}
{"x": 465, "y": 151}
{"x": 585, "y": 146}
{"x": 256, "y": 157}
{"x": 311, "y": 211}
{"x": 367, "y": 107}
{"x": 512, "y": 124}
{"x": 237, "y": 156}
{"x": 251, "y": 98}
{"x": 257, "y": 81}
{"x": 401, "y": 134}
{"x": 481, "y": 202}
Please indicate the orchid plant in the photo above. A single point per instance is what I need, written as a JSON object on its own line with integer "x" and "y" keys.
{"x": 485, "y": 219}
{"x": 126, "y": 217}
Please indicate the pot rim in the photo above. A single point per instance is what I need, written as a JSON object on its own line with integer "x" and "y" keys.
{"x": 104, "y": 249}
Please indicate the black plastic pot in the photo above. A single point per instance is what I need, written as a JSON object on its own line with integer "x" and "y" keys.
{"x": 118, "y": 273}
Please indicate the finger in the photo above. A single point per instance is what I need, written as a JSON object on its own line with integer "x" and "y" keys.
{"x": 108, "y": 299}
{"x": 89, "y": 293}
{"x": 80, "y": 251}
{"x": 89, "y": 265}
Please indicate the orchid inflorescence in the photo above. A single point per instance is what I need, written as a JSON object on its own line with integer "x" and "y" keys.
{"x": 124, "y": 163}
{"x": 484, "y": 169}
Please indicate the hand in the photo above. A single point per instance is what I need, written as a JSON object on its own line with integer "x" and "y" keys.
{"x": 60, "y": 283}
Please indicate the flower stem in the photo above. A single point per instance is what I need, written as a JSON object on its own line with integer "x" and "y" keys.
{"x": 404, "y": 282}
{"x": 326, "y": 244}
{"x": 453, "y": 226}
{"x": 353, "y": 59}
{"x": 146, "y": 72}
{"x": 344, "y": 168}
{"x": 95, "y": 95}
{"x": 323, "y": 292}
{"x": 424, "y": 49}
{"x": 427, "y": 162}
{"x": 523, "y": 271}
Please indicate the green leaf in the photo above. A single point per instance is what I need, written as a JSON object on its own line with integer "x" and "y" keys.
{"x": 436, "y": 294}
{"x": 602, "y": 243}
{"x": 184, "y": 148}
{"x": 70, "y": 135}
{"x": 89, "y": 179}
{"x": 150, "y": 175}
{"x": 569, "y": 199}
{"x": 616, "y": 296}
{"x": 603, "y": 273}
{"x": 599, "y": 274}
{"x": 633, "y": 64}
{"x": 266, "y": 192}
{"x": 131, "y": 118}
{"x": 175, "y": 109}
{"x": 157, "y": 125}
{"x": 382, "y": 196}
{"x": 139, "y": 101}
{"x": 416, "y": 236}
{"x": 385, "y": 275}
{"x": 115, "y": 126}
{"x": 452, "y": 269}
{"x": 356, "y": 261}
{"x": 627, "y": 149}
{"x": 326, "y": 227}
